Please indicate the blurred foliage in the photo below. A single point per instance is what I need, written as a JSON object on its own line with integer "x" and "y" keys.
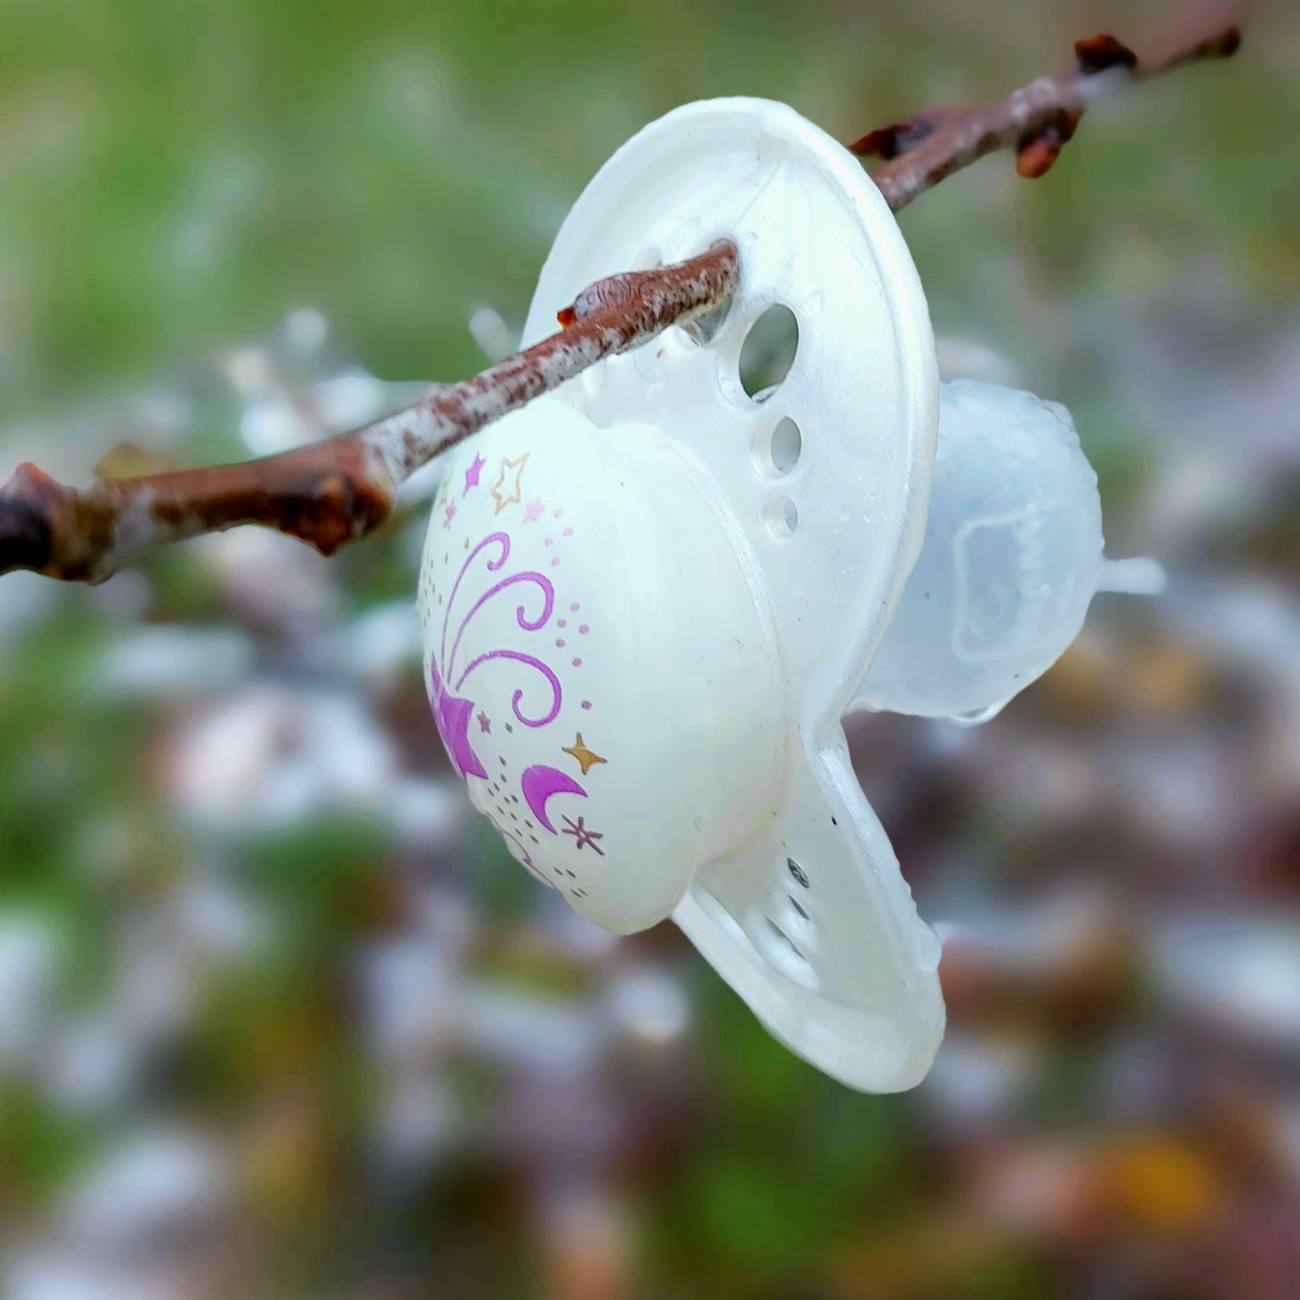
{"x": 177, "y": 175}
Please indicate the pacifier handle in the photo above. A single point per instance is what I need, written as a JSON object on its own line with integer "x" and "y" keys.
{"x": 1134, "y": 575}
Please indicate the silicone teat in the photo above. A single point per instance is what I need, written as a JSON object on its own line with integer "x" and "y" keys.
{"x": 1011, "y": 559}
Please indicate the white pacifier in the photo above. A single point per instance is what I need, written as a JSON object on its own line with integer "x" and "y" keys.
{"x": 649, "y": 598}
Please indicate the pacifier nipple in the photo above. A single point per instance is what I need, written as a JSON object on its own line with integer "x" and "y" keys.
{"x": 1011, "y": 559}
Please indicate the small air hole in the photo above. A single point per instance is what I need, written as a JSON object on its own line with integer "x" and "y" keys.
{"x": 781, "y": 937}
{"x": 800, "y": 875}
{"x": 787, "y": 445}
{"x": 782, "y": 516}
{"x": 768, "y": 352}
{"x": 780, "y": 951}
{"x": 795, "y": 921}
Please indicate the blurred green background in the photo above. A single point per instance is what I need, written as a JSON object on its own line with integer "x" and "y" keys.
{"x": 279, "y": 1018}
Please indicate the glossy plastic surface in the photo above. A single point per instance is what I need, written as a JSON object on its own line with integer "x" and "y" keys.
{"x": 1012, "y": 558}
{"x": 599, "y": 659}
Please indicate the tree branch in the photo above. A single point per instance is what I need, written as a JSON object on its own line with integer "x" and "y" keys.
{"x": 331, "y": 493}
{"x": 334, "y": 492}
{"x": 1038, "y": 119}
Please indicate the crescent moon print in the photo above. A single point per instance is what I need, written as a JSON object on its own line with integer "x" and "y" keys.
{"x": 540, "y": 784}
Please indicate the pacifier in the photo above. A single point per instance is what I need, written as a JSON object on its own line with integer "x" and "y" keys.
{"x": 649, "y": 598}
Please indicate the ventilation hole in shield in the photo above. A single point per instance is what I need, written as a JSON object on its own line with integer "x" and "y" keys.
{"x": 787, "y": 445}
{"x": 795, "y": 870}
{"x": 796, "y": 921}
{"x": 781, "y": 937}
{"x": 777, "y": 449}
{"x": 769, "y": 352}
{"x": 782, "y": 517}
{"x": 783, "y": 954}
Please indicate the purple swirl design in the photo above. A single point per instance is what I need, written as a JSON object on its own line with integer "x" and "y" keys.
{"x": 454, "y": 711}
{"x": 528, "y": 625}
{"x": 530, "y": 661}
{"x": 503, "y": 540}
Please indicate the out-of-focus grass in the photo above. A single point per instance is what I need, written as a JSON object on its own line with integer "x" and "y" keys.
{"x": 179, "y": 175}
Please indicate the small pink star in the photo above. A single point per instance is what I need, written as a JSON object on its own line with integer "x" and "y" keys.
{"x": 471, "y": 474}
{"x": 451, "y": 514}
{"x": 533, "y": 511}
{"x": 583, "y": 837}
{"x": 484, "y": 722}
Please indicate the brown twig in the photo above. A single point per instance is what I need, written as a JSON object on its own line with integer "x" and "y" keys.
{"x": 1038, "y": 119}
{"x": 335, "y": 492}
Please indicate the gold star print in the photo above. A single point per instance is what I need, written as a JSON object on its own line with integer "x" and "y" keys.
{"x": 516, "y": 493}
{"x": 585, "y": 757}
